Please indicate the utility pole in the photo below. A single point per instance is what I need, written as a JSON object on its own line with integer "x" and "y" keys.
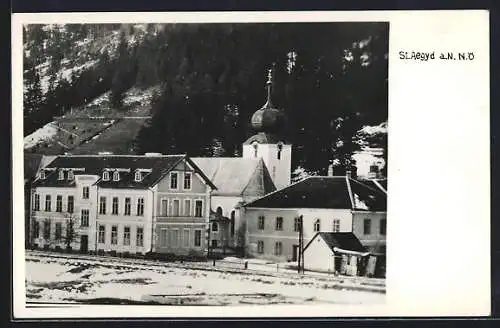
{"x": 301, "y": 245}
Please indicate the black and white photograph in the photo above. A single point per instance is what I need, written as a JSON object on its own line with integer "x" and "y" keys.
{"x": 238, "y": 164}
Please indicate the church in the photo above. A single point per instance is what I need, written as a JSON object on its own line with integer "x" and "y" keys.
{"x": 265, "y": 166}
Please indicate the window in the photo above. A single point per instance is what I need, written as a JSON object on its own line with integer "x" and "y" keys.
{"x": 198, "y": 208}
{"x": 260, "y": 247}
{"x": 59, "y": 203}
{"x": 317, "y": 225}
{"x": 176, "y": 206}
{"x": 218, "y": 211}
{"x": 61, "y": 175}
{"x": 105, "y": 176}
{"x": 126, "y": 236}
{"x": 261, "y": 222}
{"x": 215, "y": 226}
{"x": 47, "y": 203}
{"x": 71, "y": 204}
{"x": 84, "y": 218}
{"x": 164, "y": 207}
{"x": 163, "y": 237}
{"x": 197, "y": 238}
{"x": 279, "y": 223}
{"x": 114, "y": 235}
{"x": 127, "y": 206}
{"x": 187, "y": 180}
{"x": 58, "y": 230}
{"x": 42, "y": 174}
{"x": 232, "y": 223}
{"x": 85, "y": 193}
{"x": 185, "y": 238}
{"x": 102, "y": 205}
{"x": 367, "y": 226}
{"x": 102, "y": 234}
{"x": 296, "y": 224}
{"x": 255, "y": 148}
{"x": 139, "y": 238}
{"x": 36, "y": 229}
{"x": 173, "y": 180}
{"x": 278, "y": 248}
{"x": 36, "y": 205}
{"x": 214, "y": 243}
{"x": 174, "y": 240}
{"x": 280, "y": 148}
{"x": 187, "y": 207}
{"x": 336, "y": 225}
{"x": 114, "y": 207}
{"x": 116, "y": 176}
{"x": 46, "y": 230}
{"x": 383, "y": 227}
{"x": 138, "y": 176}
{"x": 71, "y": 175}
{"x": 274, "y": 172}
{"x": 140, "y": 206}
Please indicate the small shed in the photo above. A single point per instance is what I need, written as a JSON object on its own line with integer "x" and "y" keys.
{"x": 338, "y": 252}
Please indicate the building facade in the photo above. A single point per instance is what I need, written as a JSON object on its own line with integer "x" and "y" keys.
{"x": 122, "y": 204}
{"x": 324, "y": 204}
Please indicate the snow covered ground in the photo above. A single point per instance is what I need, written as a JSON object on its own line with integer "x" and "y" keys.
{"x": 114, "y": 281}
{"x": 46, "y": 133}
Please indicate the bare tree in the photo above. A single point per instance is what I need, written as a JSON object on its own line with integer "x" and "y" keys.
{"x": 71, "y": 233}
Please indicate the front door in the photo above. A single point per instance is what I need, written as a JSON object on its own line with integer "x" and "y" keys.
{"x": 84, "y": 243}
{"x": 295, "y": 251}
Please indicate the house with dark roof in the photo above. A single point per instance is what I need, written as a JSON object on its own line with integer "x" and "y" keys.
{"x": 151, "y": 203}
{"x": 32, "y": 165}
{"x": 322, "y": 204}
{"x": 339, "y": 252}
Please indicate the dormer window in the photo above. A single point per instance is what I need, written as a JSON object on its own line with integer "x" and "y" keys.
{"x": 42, "y": 174}
{"x": 61, "y": 175}
{"x": 116, "y": 176}
{"x": 71, "y": 175}
{"x": 138, "y": 176}
{"x": 105, "y": 176}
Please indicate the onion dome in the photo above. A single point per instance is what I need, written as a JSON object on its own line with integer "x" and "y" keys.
{"x": 268, "y": 119}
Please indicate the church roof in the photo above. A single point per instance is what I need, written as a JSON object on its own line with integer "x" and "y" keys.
{"x": 236, "y": 176}
{"x": 264, "y": 138}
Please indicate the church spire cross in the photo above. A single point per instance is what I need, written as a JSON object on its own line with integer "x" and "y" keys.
{"x": 268, "y": 86}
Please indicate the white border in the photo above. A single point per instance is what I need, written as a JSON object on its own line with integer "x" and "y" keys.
{"x": 439, "y": 245}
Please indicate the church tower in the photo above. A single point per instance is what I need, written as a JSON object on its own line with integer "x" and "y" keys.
{"x": 268, "y": 142}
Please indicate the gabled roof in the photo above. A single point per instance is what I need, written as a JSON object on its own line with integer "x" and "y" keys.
{"x": 344, "y": 240}
{"x": 235, "y": 176}
{"x": 325, "y": 192}
{"x": 96, "y": 164}
{"x": 376, "y": 183}
{"x": 33, "y": 163}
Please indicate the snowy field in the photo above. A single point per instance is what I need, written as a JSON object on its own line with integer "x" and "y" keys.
{"x": 69, "y": 279}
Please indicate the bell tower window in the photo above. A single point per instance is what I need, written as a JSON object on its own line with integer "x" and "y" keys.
{"x": 255, "y": 148}
{"x": 280, "y": 148}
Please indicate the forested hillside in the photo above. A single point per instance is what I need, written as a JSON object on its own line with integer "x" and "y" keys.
{"x": 330, "y": 79}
